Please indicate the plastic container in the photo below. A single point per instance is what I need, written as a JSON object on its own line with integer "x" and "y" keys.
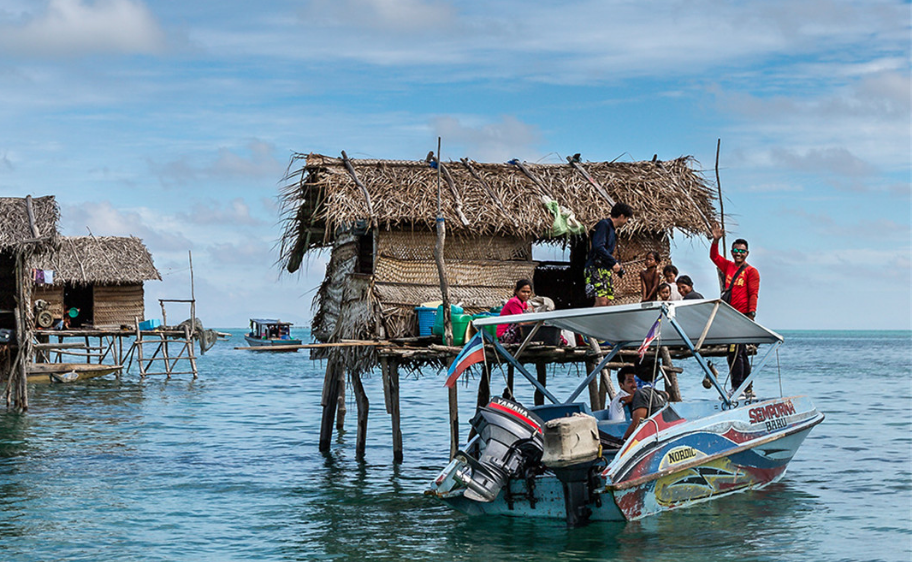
{"x": 492, "y": 330}
{"x": 438, "y": 328}
{"x": 426, "y": 316}
{"x": 460, "y": 324}
{"x": 548, "y": 335}
{"x": 148, "y": 325}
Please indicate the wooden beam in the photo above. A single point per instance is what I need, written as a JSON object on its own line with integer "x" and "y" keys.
{"x": 456, "y": 194}
{"x": 351, "y": 169}
{"x": 602, "y": 192}
{"x": 532, "y": 177}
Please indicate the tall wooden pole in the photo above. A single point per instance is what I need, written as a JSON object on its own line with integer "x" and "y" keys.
{"x": 719, "y": 190}
{"x": 445, "y": 308}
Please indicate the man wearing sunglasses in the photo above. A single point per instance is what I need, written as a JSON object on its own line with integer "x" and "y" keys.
{"x": 741, "y": 287}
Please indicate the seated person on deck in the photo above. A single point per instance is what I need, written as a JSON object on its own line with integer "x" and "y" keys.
{"x": 518, "y": 304}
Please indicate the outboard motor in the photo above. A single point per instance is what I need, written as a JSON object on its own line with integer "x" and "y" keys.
{"x": 571, "y": 451}
{"x": 509, "y": 437}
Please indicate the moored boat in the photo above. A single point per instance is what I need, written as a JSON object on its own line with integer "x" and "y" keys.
{"x": 270, "y": 332}
{"x": 564, "y": 460}
{"x": 68, "y": 372}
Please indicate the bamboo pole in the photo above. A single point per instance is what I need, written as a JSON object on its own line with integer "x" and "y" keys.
{"x": 188, "y": 331}
{"x": 716, "y": 168}
{"x": 390, "y": 370}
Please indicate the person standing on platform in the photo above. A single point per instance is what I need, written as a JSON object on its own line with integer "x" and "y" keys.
{"x": 740, "y": 289}
{"x": 601, "y": 264}
{"x": 650, "y": 277}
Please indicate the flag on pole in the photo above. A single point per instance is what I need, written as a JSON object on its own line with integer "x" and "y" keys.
{"x": 651, "y": 335}
{"x": 472, "y": 353}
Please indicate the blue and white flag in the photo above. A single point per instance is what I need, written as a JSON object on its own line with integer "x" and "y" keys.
{"x": 651, "y": 335}
{"x": 472, "y": 353}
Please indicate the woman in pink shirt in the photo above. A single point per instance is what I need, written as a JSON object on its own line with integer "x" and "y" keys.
{"x": 518, "y": 304}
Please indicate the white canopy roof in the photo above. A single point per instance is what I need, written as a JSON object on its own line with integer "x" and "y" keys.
{"x": 630, "y": 323}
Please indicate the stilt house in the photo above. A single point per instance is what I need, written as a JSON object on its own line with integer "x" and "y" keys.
{"x": 377, "y": 219}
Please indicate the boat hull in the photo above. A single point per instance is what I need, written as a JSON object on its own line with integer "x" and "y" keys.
{"x": 255, "y": 342}
{"x": 55, "y": 372}
{"x": 671, "y": 462}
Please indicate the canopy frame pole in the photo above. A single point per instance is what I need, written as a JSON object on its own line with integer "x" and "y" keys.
{"x": 756, "y": 369}
{"x": 512, "y": 361}
{"x": 596, "y": 371}
{"x": 700, "y": 341}
{"x": 700, "y": 360}
{"x": 528, "y": 339}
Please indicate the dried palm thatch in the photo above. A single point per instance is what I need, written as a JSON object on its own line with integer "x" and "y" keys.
{"x": 324, "y": 197}
{"x": 108, "y": 260}
{"x": 16, "y": 227}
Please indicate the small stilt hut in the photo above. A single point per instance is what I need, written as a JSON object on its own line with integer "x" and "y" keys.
{"x": 377, "y": 218}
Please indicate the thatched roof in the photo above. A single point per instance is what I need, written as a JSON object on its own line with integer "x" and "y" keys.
{"x": 15, "y": 226}
{"x": 109, "y": 260}
{"x": 324, "y": 198}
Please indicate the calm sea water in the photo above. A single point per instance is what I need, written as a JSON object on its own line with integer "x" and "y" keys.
{"x": 226, "y": 468}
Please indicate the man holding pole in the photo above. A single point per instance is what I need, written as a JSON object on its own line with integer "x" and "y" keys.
{"x": 740, "y": 289}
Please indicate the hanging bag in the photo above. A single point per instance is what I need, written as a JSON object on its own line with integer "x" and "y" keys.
{"x": 726, "y": 295}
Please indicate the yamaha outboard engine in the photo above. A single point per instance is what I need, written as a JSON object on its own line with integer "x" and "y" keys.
{"x": 510, "y": 436}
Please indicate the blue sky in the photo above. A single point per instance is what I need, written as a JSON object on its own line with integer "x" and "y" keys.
{"x": 175, "y": 121}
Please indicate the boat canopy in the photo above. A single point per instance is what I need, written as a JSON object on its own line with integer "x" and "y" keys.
{"x": 269, "y": 322}
{"x": 629, "y": 324}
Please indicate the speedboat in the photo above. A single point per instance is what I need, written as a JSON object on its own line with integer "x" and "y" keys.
{"x": 270, "y": 332}
{"x": 563, "y": 460}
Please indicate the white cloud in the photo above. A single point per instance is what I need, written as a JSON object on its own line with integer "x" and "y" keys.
{"x": 256, "y": 160}
{"x": 73, "y": 27}
{"x": 485, "y": 141}
{"x": 234, "y": 212}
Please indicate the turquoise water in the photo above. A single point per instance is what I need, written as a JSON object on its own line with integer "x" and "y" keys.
{"x": 226, "y": 468}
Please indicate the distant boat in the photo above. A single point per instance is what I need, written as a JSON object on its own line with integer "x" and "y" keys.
{"x": 268, "y": 332}
{"x": 68, "y": 372}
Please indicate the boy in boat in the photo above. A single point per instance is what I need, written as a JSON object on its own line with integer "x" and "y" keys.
{"x": 646, "y": 400}
{"x": 601, "y": 264}
{"x": 741, "y": 283}
{"x": 627, "y": 385}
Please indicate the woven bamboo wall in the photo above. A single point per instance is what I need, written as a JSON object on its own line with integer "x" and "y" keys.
{"x": 53, "y": 295}
{"x": 117, "y": 305}
{"x": 419, "y": 245}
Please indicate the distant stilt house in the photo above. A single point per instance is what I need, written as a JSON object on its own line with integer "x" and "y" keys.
{"x": 101, "y": 277}
{"x": 44, "y": 276}
{"x": 377, "y": 219}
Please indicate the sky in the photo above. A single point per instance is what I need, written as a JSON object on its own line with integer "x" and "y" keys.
{"x": 174, "y": 121}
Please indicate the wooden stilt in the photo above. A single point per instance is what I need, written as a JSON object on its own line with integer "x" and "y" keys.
{"x": 361, "y": 401}
{"x": 510, "y": 379}
{"x": 454, "y": 420}
{"x": 541, "y": 372}
{"x": 484, "y": 386}
{"x": 341, "y": 402}
{"x": 329, "y": 401}
{"x": 675, "y": 394}
{"x": 390, "y": 370}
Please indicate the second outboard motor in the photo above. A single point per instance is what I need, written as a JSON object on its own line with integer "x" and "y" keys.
{"x": 509, "y": 436}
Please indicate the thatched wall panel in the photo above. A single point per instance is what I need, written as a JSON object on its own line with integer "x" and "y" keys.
{"x": 328, "y": 300}
{"x": 51, "y": 294}
{"x": 117, "y": 305}
{"x": 419, "y": 245}
{"x": 462, "y": 272}
{"x": 475, "y": 298}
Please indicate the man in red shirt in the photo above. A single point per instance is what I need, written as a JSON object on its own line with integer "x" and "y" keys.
{"x": 743, "y": 297}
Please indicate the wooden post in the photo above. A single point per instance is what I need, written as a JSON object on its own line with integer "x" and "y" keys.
{"x": 390, "y": 370}
{"x": 454, "y": 420}
{"x": 361, "y": 400}
{"x": 330, "y": 394}
{"x": 484, "y": 396}
{"x": 510, "y": 379}
{"x": 190, "y": 356}
{"x": 541, "y": 372}
{"x": 166, "y": 356}
{"x": 675, "y": 395}
{"x": 341, "y": 402}
{"x": 138, "y": 344}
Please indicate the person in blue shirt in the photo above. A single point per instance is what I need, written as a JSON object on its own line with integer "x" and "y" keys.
{"x": 601, "y": 264}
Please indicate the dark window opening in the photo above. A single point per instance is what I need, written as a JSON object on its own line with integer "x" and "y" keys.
{"x": 79, "y": 297}
{"x": 562, "y": 279}
{"x": 365, "y": 250}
